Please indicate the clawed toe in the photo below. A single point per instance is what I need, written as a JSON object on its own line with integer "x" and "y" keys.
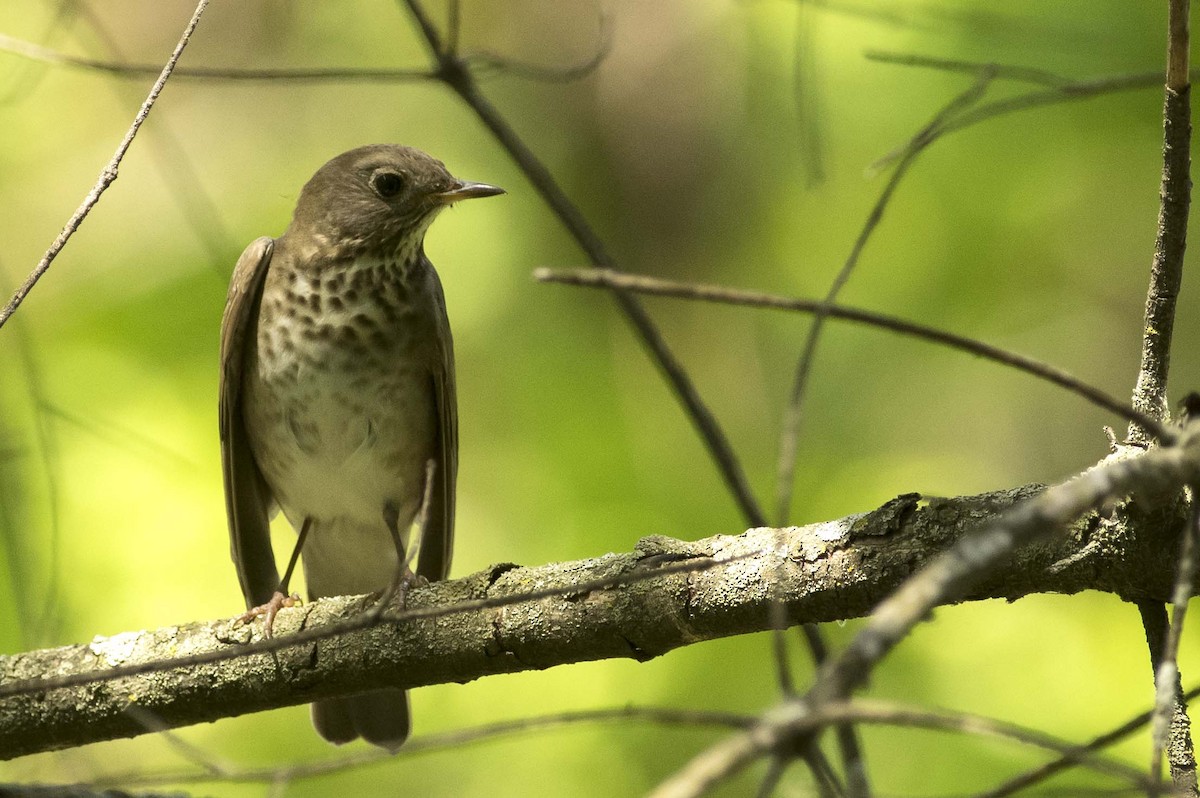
{"x": 269, "y": 610}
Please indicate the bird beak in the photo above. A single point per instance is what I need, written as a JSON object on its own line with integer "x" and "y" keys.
{"x": 465, "y": 189}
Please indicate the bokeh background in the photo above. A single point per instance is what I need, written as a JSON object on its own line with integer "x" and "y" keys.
{"x": 718, "y": 141}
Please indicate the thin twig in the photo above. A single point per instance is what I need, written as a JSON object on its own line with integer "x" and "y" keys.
{"x": 1166, "y": 271}
{"x": 1156, "y": 625}
{"x": 1022, "y": 74}
{"x": 1079, "y": 90}
{"x": 46, "y": 55}
{"x": 794, "y": 719}
{"x": 593, "y": 278}
{"x": 214, "y": 768}
{"x": 479, "y": 60}
{"x": 849, "y": 746}
{"x": 177, "y": 170}
{"x": 1178, "y": 44}
{"x": 108, "y": 175}
{"x": 25, "y": 78}
{"x": 807, "y": 95}
{"x": 775, "y": 771}
{"x": 823, "y": 775}
{"x": 1070, "y": 759}
{"x": 664, "y": 716}
{"x": 41, "y": 624}
{"x": 951, "y": 574}
{"x": 865, "y": 711}
{"x": 1171, "y": 726}
{"x": 783, "y": 668}
{"x": 453, "y": 26}
{"x": 789, "y": 435}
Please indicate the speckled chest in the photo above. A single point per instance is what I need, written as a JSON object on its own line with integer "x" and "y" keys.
{"x": 338, "y": 381}
{"x": 350, "y": 318}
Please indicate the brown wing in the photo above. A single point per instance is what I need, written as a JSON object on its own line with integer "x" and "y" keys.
{"x": 247, "y": 497}
{"x": 438, "y": 541}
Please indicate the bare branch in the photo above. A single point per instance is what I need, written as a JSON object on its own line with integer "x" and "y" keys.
{"x": 46, "y": 55}
{"x": 510, "y": 619}
{"x": 795, "y": 719}
{"x": 1178, "y": 44}
{"x": 1065, "y": 92}
{"x": 950, "y": 577}
{"x": 1166, "y": 271}
{"x": 662, "y": 716}
{"x": 1000, "y": 71}
{"x": 1171, "y": 726}
{"x": 1070, "y": 759}
{"x": 593, "y": 278}
{"x": 483, "y": 60}
{"x": 108, "y": 175}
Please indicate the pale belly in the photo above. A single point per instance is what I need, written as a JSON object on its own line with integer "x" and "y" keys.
{"x": 343, "y": 450}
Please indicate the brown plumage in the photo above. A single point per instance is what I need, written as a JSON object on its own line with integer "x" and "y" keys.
{"x": 336, "y": 391}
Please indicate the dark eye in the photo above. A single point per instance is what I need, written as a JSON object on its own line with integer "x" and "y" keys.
{"x": 387, "y": 184}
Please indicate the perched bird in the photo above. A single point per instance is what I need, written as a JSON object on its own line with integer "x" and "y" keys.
{"x": 337, "y": 399}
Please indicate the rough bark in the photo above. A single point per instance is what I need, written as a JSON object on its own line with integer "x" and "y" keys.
{"x": 823, "y": 572}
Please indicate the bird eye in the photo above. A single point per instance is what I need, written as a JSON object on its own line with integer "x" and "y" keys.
{"x": 387, "y": 184}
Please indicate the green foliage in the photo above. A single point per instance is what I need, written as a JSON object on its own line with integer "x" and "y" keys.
{"x": 690, "y": 149}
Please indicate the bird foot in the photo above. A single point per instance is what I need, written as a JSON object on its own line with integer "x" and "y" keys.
{"x": 270, "y": 610}
{"x": 397, "y": 592}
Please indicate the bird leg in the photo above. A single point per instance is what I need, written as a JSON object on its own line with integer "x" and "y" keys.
{"x": 281, "y": 597}
{"x": 404, "y": 577}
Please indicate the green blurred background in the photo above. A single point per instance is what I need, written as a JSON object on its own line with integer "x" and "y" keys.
{"x": 718, "y": 141}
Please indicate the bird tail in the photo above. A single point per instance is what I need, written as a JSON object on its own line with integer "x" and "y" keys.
{"x": 380, "y": 717}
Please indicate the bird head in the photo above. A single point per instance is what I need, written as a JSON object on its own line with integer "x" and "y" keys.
{"x": 378, "y": 199}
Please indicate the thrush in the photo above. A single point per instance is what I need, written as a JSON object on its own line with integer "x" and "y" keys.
{"x": 337, "y": 398}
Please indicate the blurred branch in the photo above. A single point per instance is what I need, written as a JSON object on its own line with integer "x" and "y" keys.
{"x": 39, "y": 626}
{"x": 176, "y": 168}
{"x": 963, "y": 570}
{"x": 480, "y": 60}
{"x": 1155, "y": 474}
{"x": 789, "y": 436}
{"x": 510, "y": 619}
{"x": 1057, "y": 93}
{"x": 36, "y": 52}
{"x": 21, "y": 81}
{"x": 806, "y": 91}
{"x": 432, "y": 743}
{"x": 1171, "y": 726}
{"x": 999, "y": 71}
{"x": 73, "y": 791}
{"x": 792, "y": 718}
{"x": 1070, "y": 758}
{"x": 108, "y": 175}
{"x": 594, "y": 278}
{"x": 863, "y": 711}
